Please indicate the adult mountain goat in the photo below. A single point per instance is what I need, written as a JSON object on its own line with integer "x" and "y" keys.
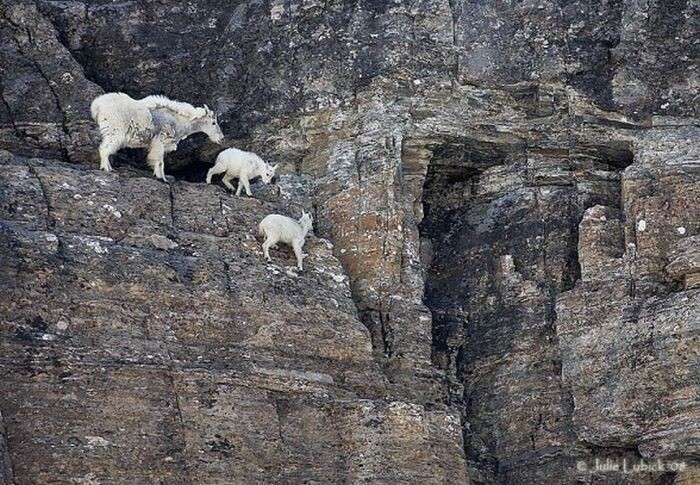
{"x": 277, "y": 228}
{"x": 235, "y": 163}
{"x": 154, "y": 122}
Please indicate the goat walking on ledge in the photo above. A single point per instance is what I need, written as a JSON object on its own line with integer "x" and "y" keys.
{"x": 154, "y": 122}
{"x": 277, "y": 228}
{"x": 235, "y": 163}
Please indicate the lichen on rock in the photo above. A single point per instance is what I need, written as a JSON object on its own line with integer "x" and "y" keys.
{"x": 502, "y": 284}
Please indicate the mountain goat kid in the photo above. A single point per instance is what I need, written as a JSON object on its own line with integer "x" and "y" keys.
{"x": 243, "y": 166}
{"x": 277, "y": 228}
{"x": 154, "y": 122}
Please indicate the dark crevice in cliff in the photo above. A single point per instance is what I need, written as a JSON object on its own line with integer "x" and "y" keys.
{"x": 49, "y": 218}
{"x": 499, "y": 243}
{"x": 171, "y": 195}
{"x": 596, "y": 79}
{"x": 377, "y": 322}
{"x": 598, "y": 182}
{"x": 613, "y": 156}
{"x": 450, "y": 187}
{"x": 62, "y": 113}
{"x": 6, "y": 466}
{"x": 50, "y": 86}
{"x": 227, "y": 276}
{"x": 176, "y": 396}
{"x": 456, "y": 13}
{"x": 10, "y": 116}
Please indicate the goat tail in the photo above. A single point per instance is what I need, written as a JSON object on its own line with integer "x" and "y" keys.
{"x": 95, "y": 109}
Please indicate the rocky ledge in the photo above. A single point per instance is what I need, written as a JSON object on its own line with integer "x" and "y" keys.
{"x": 143, "y": 332}
{"x": 505, "y": 285}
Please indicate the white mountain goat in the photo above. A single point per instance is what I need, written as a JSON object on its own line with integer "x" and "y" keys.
{"x": 243, "y": 166}
{"x": 154, "y": 122}
{"x": 277, "y": 228}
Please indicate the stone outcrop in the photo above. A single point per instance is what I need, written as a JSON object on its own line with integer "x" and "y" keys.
{"x": 45, "y": 99}
{"x": 504, "y": 287}
{"x": 141, "y": 326}
{"x": 631, "y": 312}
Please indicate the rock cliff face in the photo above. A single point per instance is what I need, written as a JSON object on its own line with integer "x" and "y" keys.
{"x": 503, "y": 285}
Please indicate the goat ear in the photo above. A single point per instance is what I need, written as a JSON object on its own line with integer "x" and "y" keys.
{"x": 274, "y": 167}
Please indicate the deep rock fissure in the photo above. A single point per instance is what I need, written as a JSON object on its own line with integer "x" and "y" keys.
{"x": 9, "y": 113}
{"x": 377, "y": 323}
{"x": 49, "y": 218}
{"x": 499, "y": 243}
{"x": 6, "y": 466}
{"x": 64, "y": 122}
{"x": 57, "y": 99}
{"x": 293, "y": 80}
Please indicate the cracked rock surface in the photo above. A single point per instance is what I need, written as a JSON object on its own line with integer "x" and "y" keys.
{"x": 503, "y": 281}
{"x": 194, "y": 357}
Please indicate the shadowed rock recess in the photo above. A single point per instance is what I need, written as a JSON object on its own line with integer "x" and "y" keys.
{"x": 503, "y": 285}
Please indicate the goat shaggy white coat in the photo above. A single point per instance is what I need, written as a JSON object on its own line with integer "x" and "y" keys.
{"x": 277, "y": 228}
{"x": 244, "y": 166}
{"x": 154, "y": 122}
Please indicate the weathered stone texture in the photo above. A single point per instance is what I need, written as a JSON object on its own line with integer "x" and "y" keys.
{"x": 45, "y": 97}
{"x": 508, "y": 284}
{"x": 638, "y": 317}
{"x": 6, "y": 474}
{"x": 192, "y": 364}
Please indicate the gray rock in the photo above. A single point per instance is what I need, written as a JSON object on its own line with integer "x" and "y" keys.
{"x": 162, "y": 242}
{"x": 502, "y": 285}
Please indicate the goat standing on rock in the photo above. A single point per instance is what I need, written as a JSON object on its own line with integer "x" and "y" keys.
{"x": 277, "y": 228}
{"x": 154, "y": 122}
{"x": 242, "y": 165}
